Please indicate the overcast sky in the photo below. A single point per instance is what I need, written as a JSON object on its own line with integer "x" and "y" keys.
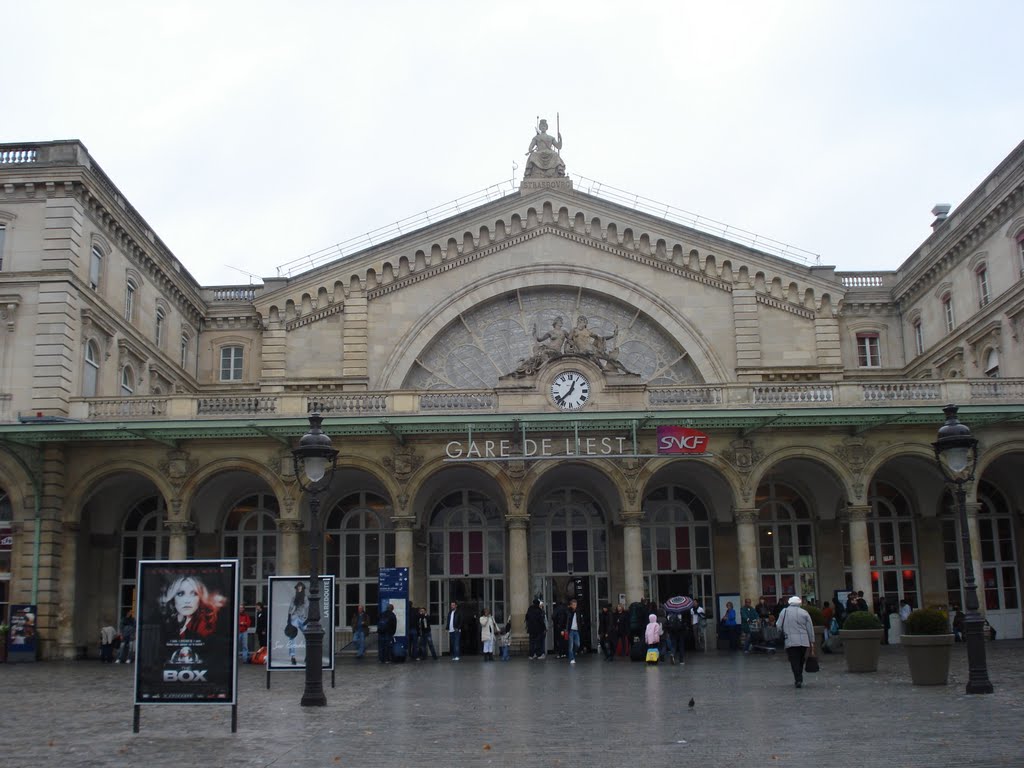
{"x": 249, "y": 134}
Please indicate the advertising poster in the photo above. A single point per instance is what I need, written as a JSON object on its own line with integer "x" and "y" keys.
{"x": 21, "y": 638}
{"x": 287, "y": 615}
{"x": 187, "y": 632}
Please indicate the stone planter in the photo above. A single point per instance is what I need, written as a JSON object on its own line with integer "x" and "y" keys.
{"x": 861, "y": 647}
{"x": 929, "y": 658}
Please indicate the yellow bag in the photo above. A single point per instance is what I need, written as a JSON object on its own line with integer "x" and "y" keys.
{"x": 652, "y": 655}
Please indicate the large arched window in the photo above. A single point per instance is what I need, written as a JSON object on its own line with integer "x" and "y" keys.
{"x": 785, "y": 535}
{"x": 358, "y": 544}
{"x": 143, "y": 537}
{"x": 250, "y": 534}
{"x": 466, "y": 553}
{"x": 569, "y": 548}
{"x": 999, "y": 589}
{"x": 892, "y": 547}
{"x": 90, "y": 369}
{"x": 676, "y": 540}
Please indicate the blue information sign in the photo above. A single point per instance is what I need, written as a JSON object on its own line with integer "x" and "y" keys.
{"x": 393, "y": 586}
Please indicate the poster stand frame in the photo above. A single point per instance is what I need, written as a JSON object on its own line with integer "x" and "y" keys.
{"x": 137, "y": 706}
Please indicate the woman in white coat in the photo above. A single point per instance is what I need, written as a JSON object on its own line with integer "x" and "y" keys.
{"x": 488, "y": 631}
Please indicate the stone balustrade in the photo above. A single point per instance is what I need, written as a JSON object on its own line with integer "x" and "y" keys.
{"x": 723, "y": 397}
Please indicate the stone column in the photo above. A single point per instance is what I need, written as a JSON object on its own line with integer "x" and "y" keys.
{"x": 860, "y": 553}
{"x": 746, "y": 541}
{"x": 519, "y": 573}
{"x": 404, "y": 545}
{"x": 67, "y": 595}
{"x": 972, "y": 528}
{"x": 288, "y": 555}
{"x": 177, "y": 545}
{"x": 632, "y": 555}
{"x": 56, "y": 596}
{"x": 179, "y": 529}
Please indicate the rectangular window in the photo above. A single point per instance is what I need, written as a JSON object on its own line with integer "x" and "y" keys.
{"x": 95, "y": 267}
{"x": 159, "y": 334}
{"x": 184, "y": 351}
{"x": 129, "y": 300}
{"x": 231, "y": 364}
{"x": 984, "y": 297}
{"x": 947, "y": 313}
{"x": 3, "y": 235}
{"x": 918, "y": 338}
{"x": 867, "y": 351}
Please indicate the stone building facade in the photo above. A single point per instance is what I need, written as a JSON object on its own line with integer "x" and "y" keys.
{"x": 495, "y": 382}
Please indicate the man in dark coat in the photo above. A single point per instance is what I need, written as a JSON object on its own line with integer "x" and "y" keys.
{"x": 561, "y": 613}
{"x": 387, "y": 628}
{"x": 536, "y": 629}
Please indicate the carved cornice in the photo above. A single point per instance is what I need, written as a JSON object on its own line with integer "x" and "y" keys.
{"x": 746, "y": 515}
{"x": 517, "y": 522}
{"x": 858, "y": 513}
{"x": 332, "y": 308}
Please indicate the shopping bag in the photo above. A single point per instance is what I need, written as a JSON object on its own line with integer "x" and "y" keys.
{"x": 811, "y": 665}
{"x": 652, "y": 655}
{"x": 260, "y": 657}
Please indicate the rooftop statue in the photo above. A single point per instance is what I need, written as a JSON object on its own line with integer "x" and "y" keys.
{"x": 543, "y": 160}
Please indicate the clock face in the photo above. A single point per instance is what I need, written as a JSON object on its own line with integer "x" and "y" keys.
{"x": 570, "y": 390}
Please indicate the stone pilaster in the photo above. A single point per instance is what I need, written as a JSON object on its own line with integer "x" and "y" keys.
{"x": 519, "y": 573}
{"x": 746, "y": 542}
{"x": 288, "y": 555}
{"x": 404, "y": 545}
{"x": 633, "y": 555}
{"x": 68, "y": 579}
{"x": 860, "y": 553}
{"x": 274, "y": 351}
{"x": 826, "y": 340}
{"x": 748, "y": 330}
{"x": 354, "y": 339}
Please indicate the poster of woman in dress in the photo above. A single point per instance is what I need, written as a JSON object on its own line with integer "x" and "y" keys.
{"x": 187, "y": 631}
{"x": 288, "y": 617}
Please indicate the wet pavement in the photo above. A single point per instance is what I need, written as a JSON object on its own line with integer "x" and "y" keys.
{"x": 530, "y": 713}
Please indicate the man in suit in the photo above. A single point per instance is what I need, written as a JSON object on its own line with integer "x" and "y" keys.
{"x": 454, "y": 625}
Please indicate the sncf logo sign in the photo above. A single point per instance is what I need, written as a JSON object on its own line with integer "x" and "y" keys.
{"x": 681, "y": 440}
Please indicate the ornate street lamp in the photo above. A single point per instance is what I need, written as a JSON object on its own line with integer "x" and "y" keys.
{"x": 315, "y": 460}
{"x": 956, "y": 453}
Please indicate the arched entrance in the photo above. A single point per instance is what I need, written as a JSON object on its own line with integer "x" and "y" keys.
{"x": 676, "y": 540}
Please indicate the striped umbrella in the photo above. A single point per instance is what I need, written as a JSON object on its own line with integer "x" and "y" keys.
{"x": 678, "y": 604}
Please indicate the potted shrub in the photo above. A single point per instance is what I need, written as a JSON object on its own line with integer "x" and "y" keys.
{"x": 928, "y": 641}
{"x": 862, "y": 641}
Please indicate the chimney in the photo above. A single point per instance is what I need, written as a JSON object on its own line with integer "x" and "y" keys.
{"x": 941, "y": 213}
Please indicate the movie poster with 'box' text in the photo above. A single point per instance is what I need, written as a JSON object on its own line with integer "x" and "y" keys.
{"x": 187, "y": 632}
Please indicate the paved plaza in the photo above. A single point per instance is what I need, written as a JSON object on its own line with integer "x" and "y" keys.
{"x": 530, "y": 713}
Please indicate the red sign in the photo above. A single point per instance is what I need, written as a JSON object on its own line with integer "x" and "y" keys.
{"x": 681, "y": 440}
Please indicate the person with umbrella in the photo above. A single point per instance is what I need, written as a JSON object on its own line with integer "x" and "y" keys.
{"x": 677, "y": 611}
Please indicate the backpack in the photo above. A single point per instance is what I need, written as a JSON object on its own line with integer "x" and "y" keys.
{"x": 674, "y": 621}
{"x": 637, "y": 617}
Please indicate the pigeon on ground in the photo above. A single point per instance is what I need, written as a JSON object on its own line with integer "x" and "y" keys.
{"x": 692, "y": 703}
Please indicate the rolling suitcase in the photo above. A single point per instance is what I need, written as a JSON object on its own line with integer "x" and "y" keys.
{"x": 637, "y": 648}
